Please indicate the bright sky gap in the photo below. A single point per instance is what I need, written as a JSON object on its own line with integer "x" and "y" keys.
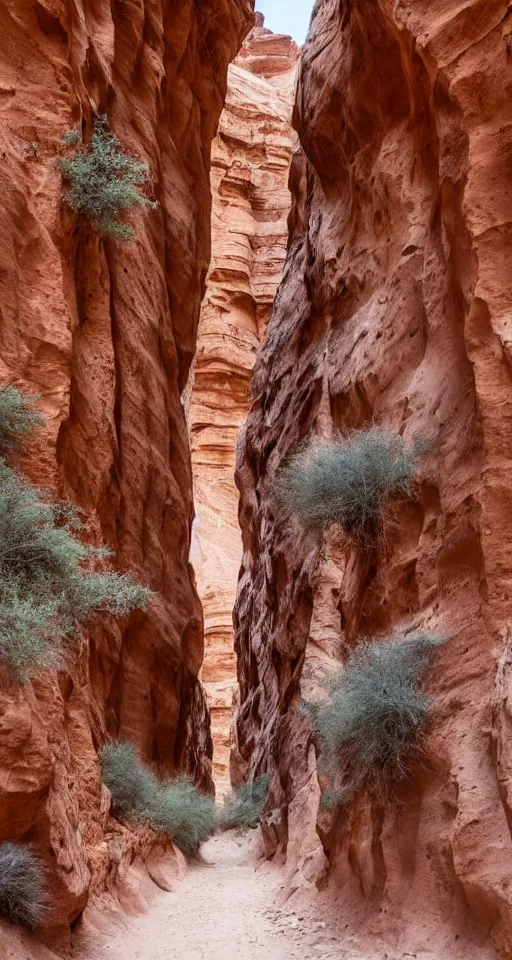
{"x": 287, "y": 16}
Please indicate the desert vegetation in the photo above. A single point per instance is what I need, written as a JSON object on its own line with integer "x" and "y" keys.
{"x": 104, "y": 182}
{"x": 373, "y": 721}
{"x": 18, "y": 418}
{"x": 175, "y": 807}
{"x": 347, "y": 482}
{"x": 47, "y": 586}
{"x": 23, "y": 890}
{"x": 242, "y": 810}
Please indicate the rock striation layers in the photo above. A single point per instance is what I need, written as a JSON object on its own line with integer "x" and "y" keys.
{"x": 395, "y": 308}
{"x": 251, "y": 201}
{"x": 105, "y": 333}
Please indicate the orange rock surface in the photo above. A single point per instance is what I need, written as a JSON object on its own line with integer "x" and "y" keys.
{"x": 395, "y": 308}
{"x": 251, "y": 201}
{"x": 105, "y": 333}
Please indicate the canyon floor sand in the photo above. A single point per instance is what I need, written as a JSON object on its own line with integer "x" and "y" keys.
{"x": 225, "y": 909}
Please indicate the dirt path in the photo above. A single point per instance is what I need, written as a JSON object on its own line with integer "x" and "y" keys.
{"x": 223, "y": 910}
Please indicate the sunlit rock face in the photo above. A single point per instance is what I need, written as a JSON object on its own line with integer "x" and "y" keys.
{"x": 105, "y": 332}
{"x": 251, "y": 201}
{"x": 395, "y": 308}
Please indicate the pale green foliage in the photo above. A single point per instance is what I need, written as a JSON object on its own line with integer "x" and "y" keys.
{"x": 177, "y": 808}
{"x": 71, "y": 138}
{"x": 29, "y": 632}
{"x": 243, "y": 810}
{"x": 23, "y": 890}
{"x": 346, "y": 482}
{"x": 372, "y": 724}
{"x": 18, "y": 418}
{"x": 115, "y": 593}
{"x": 132, "y": 786}
{"x": 45, "y": 592}
{"x": 32, "y": 548}
{"x": 187, "y": 816}
{"x": 104, "y": 182}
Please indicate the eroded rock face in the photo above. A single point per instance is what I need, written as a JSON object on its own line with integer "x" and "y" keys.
{"x": 394, "y": 308}
{"x": 105, "y": 333}
{"x": 251, "y": 201}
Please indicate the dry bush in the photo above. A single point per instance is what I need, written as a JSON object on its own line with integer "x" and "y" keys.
{"x": 105, "y": 181}
{"x": 372, "y": 725}
{"x": 18, "y": 418}
{"x": 347, "y": 482}
{"x": 243, "y": 810}
{"x": 177, "y": 808}
{"x": 47, "y": 586}
{"x": 23, "y": 890}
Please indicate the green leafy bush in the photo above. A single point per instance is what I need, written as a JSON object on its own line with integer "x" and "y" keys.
{"x": 104, "y": 182}
{"x": 23, "y": 890}
{"x": 243, "y": 810}
{"x": 18, "y": 418}
{"x": 373, "y": 722}
{"x": 346, "y": 482}
{"x": 177, "y": 808}
{"x": 45, "y": 592}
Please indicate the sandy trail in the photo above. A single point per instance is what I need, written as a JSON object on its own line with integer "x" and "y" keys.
{"x": 223, "y": 910}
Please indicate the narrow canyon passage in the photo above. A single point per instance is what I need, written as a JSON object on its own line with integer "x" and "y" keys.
{"x": 256, "y": 480}
{"x": 250, "y": 204}
{"x": 224, "y": 908}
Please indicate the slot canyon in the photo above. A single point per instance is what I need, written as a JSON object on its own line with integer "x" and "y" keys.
{"x": 217, "y": 246}
{"x": 250, "y": 205}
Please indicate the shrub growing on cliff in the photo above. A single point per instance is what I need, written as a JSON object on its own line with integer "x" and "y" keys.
{"x": 23, "y": 892}
{"x": 177, "y": 808}
{"x": 29, "y": 632}
{"x": 18, "y": 418}
{"x": 346, "y": 482}
{"x": 243, "y": 810}
{"x": 104, "y": 182}
{"x": 372, "y": 724}
{"x": 45, "y": 592}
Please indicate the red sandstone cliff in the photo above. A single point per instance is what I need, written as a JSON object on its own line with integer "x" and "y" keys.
{"x": 105, "y": 333}
{"x": 395, "y": 307}
{"x": 251, "y": 201}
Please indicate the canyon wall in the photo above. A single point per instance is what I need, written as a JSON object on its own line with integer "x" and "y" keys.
{"x": 105, "y": 332}
{"x": 251, "y": 201}
{"x": 395, "y": 308}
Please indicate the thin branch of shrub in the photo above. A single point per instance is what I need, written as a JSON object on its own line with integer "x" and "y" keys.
{"x": 372, "y": 724}
{"x": 71, "y": 138}
{"x": 347, "y": 483}
{"x": 105, "y": 182}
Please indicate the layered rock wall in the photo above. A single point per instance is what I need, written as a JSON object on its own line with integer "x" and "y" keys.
{"x": 395, "y": 308}
{"x": 251, "y": 201}
{"x": 105, "y": 333}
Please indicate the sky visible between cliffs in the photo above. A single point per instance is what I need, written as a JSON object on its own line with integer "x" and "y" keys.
{"x": 287, "y": 16}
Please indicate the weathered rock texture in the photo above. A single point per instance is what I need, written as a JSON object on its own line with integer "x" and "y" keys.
{"x": 395, "y": 307}
{"x": 105, "y": 332}
{"x": 251, "y": 201}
